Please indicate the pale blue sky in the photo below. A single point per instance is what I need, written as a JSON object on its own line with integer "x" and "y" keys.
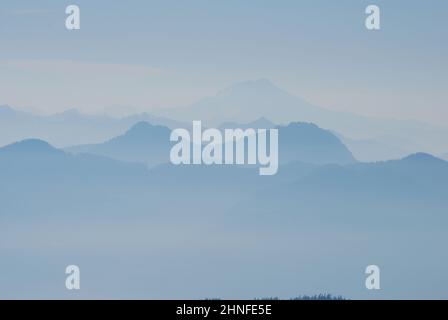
{"x": 155, "y": 54}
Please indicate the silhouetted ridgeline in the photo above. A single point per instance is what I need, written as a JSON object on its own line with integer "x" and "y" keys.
{"x": 150, "y": 144}
{"x": 313, "y": 224}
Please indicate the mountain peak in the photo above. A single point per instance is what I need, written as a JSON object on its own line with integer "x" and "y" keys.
{"x": 143, "y": 127}
{"x": 262, "y": 122}
{"x": 143, "y": 131}
{"x": 31, "y": 147}
{"x": 245, "y": 101}
{"x": 422, "y": 157}
{"x": 308, "y": 131}
{"x": 309, "y": 143}
{"x": 304, "y": 126}
{"x": 68, "y": 114}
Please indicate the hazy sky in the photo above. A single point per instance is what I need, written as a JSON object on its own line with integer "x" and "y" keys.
{"x": 155, "y": 54}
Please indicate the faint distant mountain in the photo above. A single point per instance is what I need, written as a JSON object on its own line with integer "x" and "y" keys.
{"x": 143, "y": 142}
{"x": 162, "y": 121}
{"x": 246, "y": 101}
{"x": 244, "y": 104}
{"x": 74, "y": 114}
{"x": 69, "y": 127}
{"x": 66, "y": 128}
{"x": 120, "y": 111}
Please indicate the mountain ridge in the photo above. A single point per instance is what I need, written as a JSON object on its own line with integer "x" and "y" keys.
{"x": 151, "y": 144}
